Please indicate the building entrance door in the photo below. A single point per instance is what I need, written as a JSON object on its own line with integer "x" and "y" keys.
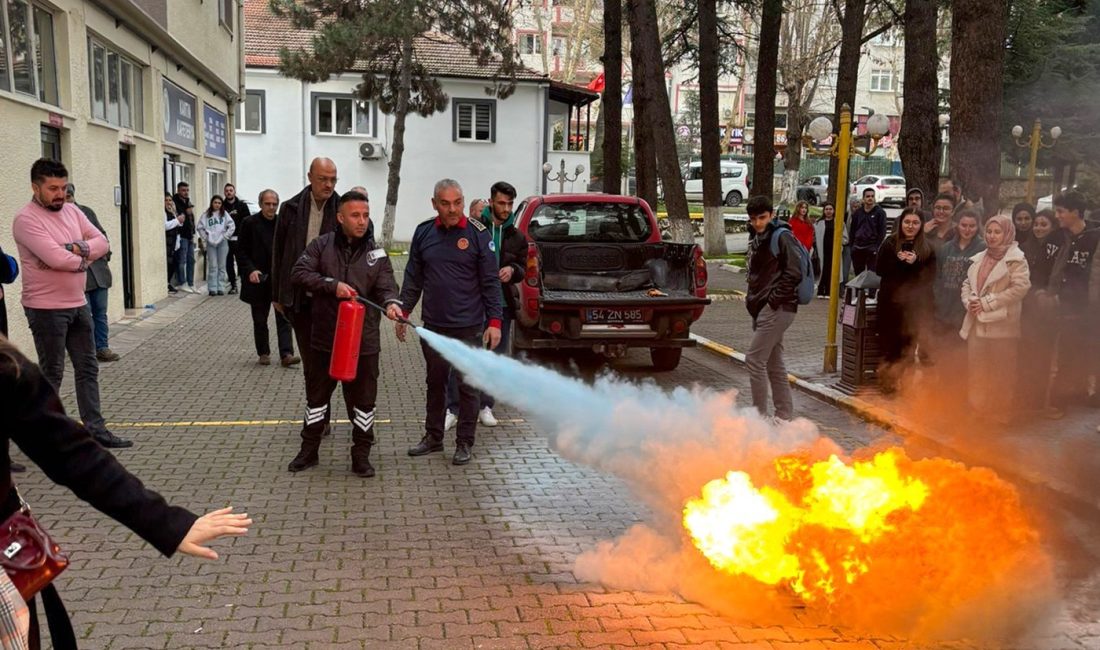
{"x": 127, "y": 226}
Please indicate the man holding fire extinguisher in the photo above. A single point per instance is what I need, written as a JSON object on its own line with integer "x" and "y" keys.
{"x": 334, "y": 267}
{"x": 453, "y": 264}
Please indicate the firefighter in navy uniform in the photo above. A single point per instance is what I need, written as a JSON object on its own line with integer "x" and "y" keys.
{"x": 452, "y": 263}
{"x": 334, "y": 267}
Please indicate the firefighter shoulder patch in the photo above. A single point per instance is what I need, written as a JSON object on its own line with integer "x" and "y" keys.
{"x": 377, "y": 254}
{"x": 492, "y": 246}
{"x": 480, "y": 227}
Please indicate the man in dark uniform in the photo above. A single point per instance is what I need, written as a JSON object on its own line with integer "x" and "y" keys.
{"x": 363, "y": 269}
{"x": 452, "y": 263}
{"x": 303, "y": 218}
{"x": 254, "y": 259}
{"x": 239, "y": 211}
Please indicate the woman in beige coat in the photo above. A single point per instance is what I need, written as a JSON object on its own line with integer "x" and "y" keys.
{"x": 993, "y": 292}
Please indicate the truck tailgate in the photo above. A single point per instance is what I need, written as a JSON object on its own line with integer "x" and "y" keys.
{"x": 639, "y": 298}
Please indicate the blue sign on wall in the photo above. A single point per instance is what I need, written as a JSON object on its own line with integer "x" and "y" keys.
{"x": 179, "y": 115}
{"x": 214, "y": 131}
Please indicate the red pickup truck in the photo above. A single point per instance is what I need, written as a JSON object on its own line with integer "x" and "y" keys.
{"x": 599, "y": 277}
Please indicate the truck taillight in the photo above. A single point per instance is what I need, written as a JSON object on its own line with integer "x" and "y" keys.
{"x": 531, "y": 276}
{"x": 700, "y": 268}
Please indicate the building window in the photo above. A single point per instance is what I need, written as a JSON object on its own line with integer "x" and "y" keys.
{"x": 215, "y": 182}
{"x": 176, "y": 172}
{"x": 475, "y": 120}
{"x": 225, "y": 14}
{"x": 249, "y": 117}
{"x": 51, "y": 142}
{"x": 117, "y": 95}
{"x": 530, "y": 43}
{"x": 557, "y": 46}
{"x": 28, "y": 62}
{"x": 342, "y": 115}
{"x": 883, "y": 81}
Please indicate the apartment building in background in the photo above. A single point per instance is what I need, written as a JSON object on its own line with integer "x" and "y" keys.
{"x": 132, "y": 96}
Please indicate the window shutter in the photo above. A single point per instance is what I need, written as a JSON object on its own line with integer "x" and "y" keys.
{"x": 465, "y": 122}
{"x": 484, "y": 123}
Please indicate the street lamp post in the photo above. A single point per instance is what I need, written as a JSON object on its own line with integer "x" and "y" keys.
{"x": 818, "y": 130}
{"x": 1034, "y": 142}
{"x": 561, "y": 177}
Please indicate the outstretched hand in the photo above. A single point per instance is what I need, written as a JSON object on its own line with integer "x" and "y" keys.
{"x": 211, "y": 526}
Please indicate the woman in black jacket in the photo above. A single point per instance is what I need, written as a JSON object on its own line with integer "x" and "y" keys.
{"x": 32, "y": 417}
{"x": 907, "y": 265}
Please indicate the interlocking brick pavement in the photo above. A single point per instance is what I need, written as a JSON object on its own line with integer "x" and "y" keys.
{"x": 425, "y": 555}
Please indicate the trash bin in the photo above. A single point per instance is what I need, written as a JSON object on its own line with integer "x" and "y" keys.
{"x": 860, "y": 355}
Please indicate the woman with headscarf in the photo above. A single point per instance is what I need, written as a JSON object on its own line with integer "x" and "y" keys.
{"x": 1036, "y": 335}
{"x": 1023, "y": 216}
{"x": 907, "y": 265}
{"x": 993, "y": 294}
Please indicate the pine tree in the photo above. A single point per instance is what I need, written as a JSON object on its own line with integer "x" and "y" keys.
{"x": 381, "y": 38}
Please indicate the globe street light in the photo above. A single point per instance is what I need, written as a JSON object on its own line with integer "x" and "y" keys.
{"x": 1034, "y": 142}
{"x": 562, "y": 177}
{"x": 818, "y": 130}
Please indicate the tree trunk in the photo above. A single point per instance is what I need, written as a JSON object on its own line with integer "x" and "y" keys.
{"x": 978, "y": 31}
{"x": 792, "y": 157}
{"x": 611, "y": 106}
{"x": 397, "y": 149}
{"x": 645, "y": 151}
{"x": 714, "y": 226}
{"x": 851, "y": 42}
{"x": 919, "y": 138}
{"x": 767, "y": 65}
{"x": 655, "y": 98}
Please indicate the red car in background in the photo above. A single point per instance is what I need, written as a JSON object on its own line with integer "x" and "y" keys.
{"x": 599, "y": 277}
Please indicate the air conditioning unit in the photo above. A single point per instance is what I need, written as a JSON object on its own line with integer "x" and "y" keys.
{"x": 370, "y": 151}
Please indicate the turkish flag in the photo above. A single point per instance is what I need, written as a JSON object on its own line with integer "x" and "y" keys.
{"x": 597, "y": 84}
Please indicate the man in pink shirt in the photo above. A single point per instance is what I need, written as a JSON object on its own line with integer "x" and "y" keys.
{"x": 56, "y": 244}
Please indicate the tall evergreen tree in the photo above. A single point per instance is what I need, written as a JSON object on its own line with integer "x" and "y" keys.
{"x": 384, "y": 34}
{"x": 767, "y": 64}
{"x": 643, "y": 16}
{"x": 919, "y": 139}
{"x": 978, "y": 31}
{"x": 714, "y": 227}
{"x": 611, "y": 105}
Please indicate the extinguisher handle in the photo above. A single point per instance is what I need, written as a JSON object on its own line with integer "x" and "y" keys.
{"x": 373, "y": 305}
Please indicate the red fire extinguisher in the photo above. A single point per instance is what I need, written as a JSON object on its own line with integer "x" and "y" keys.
{"x": 345, "y": 342}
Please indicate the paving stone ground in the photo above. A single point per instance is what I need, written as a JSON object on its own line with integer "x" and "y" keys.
{"x": 425, "y": 555}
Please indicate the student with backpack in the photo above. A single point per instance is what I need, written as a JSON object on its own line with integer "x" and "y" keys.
{"x": 780, "y": 279}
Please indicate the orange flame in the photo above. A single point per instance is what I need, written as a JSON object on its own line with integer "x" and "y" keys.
{"x": 819, "y": 528}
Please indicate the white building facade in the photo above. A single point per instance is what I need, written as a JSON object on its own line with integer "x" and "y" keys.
{"x": 132, "y": 96}
{"x": 477, "y": 139}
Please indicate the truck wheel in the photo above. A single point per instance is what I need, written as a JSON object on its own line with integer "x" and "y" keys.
{"x": 733, "y": 199}
{"x": 665, "y": 359}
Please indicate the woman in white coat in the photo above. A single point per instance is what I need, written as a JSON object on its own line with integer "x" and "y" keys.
{"x": 993, "y": 293}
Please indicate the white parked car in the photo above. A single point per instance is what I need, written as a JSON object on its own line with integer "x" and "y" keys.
{"x": 888, "y": 189}
{"x": 814, "y": 189}
{"x": 735, "y": 182}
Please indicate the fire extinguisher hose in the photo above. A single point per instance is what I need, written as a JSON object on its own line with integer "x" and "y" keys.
{"x": 378, "y": 307}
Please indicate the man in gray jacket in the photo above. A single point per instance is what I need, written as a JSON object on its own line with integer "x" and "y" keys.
{"x": 98, "y": 282}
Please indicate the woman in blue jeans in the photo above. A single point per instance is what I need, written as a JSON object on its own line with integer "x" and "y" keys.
{"x": 215, "y": 227}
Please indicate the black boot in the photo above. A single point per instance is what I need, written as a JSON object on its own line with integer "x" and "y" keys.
{"x": 360, "y": 461}
{"x": 307, "y": 455}
{"x": 361, "y": 442}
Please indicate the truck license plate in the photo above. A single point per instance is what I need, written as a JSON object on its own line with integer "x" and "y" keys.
{"x": 601, "y": 315}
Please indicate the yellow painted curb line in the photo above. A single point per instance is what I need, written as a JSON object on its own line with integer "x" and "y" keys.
{"x": 861, "y": 408}
{"x": 249, "y": 423}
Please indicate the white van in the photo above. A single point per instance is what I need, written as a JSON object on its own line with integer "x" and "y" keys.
{"x": 735, "y": 182}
